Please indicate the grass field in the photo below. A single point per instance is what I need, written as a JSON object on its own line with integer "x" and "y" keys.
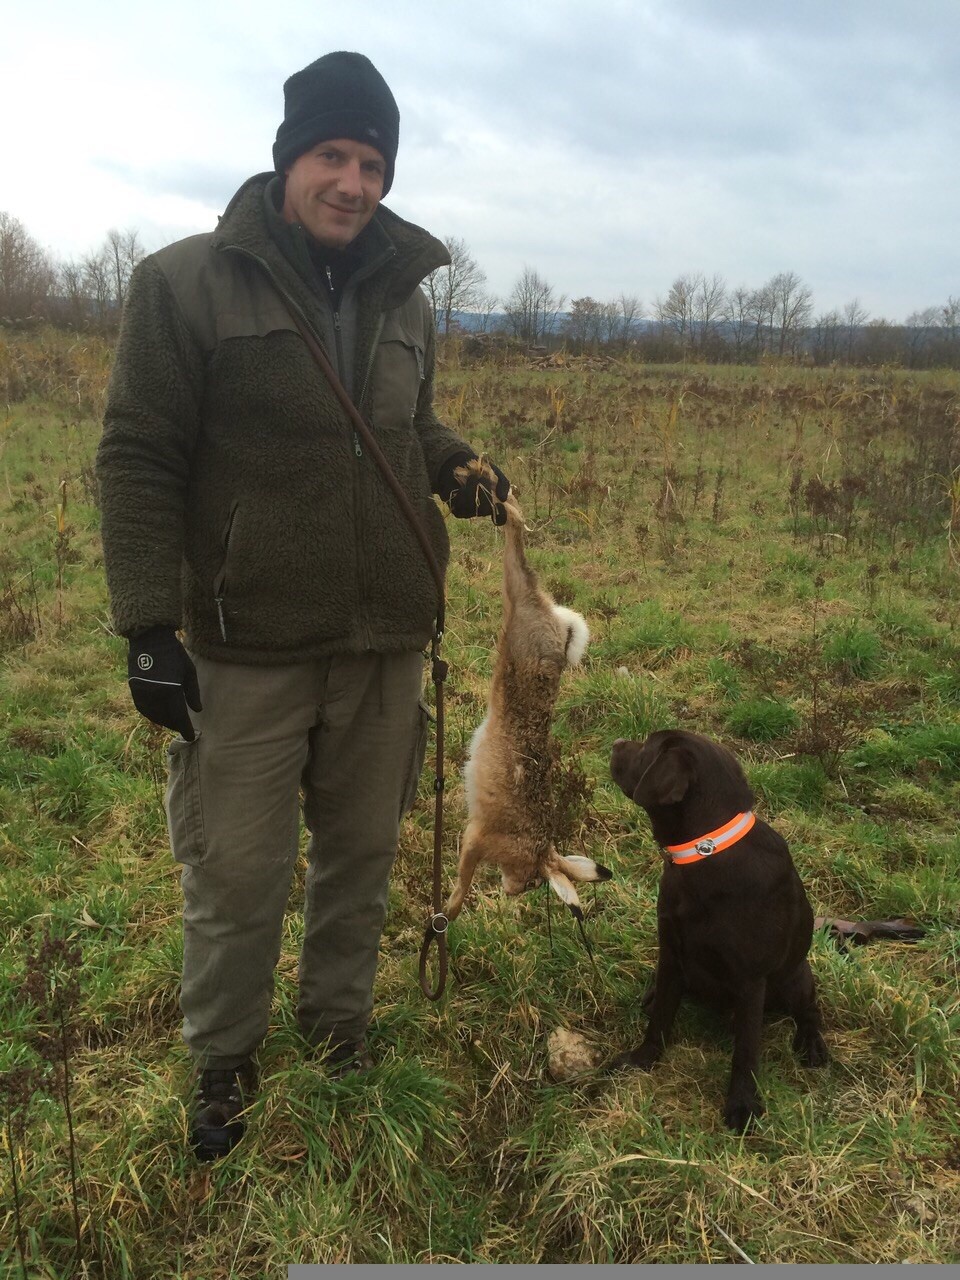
{"x": 767, "y": 555}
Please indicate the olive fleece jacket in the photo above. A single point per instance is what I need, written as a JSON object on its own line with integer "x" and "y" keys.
{"x": 236, "y": 500}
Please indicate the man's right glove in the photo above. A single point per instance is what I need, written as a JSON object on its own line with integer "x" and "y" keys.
{"x": 163, "y": 680}
{"x": 480, "y": 492}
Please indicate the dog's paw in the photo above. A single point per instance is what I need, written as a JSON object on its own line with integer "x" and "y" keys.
{"x": 811, "y": 1050}
{"x": 641, "y": 1059}
{"x": 740, "y": 1112}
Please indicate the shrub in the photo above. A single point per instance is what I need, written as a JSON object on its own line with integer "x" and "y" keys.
{"x": 761, "y": 720}
{"x": 798, "y": 784}
{"x": 853, "y": 652}
{"x": 934, "y": 747}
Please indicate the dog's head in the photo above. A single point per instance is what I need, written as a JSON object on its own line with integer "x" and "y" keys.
{"x": 676, "y": 767}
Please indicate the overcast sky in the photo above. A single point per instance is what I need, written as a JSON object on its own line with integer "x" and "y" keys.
{"x": 609, "y": 145}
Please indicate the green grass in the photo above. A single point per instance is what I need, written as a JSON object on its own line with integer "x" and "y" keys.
{"x": 761, "y": 719}
{"x": 822, "y": 649}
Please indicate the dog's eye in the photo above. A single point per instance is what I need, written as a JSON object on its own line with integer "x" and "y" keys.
{"x": 532, "y": 884}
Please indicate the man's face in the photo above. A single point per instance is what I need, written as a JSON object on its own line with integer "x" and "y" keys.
{"x": 333, "y": 190}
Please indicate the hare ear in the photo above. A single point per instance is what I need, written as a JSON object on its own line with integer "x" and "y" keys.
{"x": 669, "y": 778}
{"x": 582, "y": 869}
{"x": 563, "y": 888}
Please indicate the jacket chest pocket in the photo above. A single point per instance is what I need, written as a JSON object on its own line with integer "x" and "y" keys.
{"x": 398, "y": 375}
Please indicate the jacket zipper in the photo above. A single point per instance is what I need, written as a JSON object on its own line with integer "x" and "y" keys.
{"x": 358, "y": 477}
{"x": 264, "y": 266}
{"x": 220, "y": 584}
{"x": 339, "y": 339}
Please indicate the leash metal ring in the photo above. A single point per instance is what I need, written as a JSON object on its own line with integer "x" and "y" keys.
{"x": 436, "y": 925}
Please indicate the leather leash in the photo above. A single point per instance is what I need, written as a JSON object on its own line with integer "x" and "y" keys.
{"x": 436, "y": 928}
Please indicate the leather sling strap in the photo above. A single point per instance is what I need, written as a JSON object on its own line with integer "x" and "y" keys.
{"x": 436, "y": 928}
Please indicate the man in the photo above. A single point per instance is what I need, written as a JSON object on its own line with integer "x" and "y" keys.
{"x": 239, "y": 505}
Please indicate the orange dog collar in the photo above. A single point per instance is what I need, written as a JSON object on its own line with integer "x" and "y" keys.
{"x": 713, "y": 841}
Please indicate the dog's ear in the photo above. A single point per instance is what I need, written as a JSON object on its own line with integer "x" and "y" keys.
{"x": 668, "y": 778}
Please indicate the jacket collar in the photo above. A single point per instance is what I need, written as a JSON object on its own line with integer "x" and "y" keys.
{"x": 405, "y": 252}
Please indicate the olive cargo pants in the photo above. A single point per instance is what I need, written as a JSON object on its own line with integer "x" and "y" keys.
{"x": 350, "y": 731}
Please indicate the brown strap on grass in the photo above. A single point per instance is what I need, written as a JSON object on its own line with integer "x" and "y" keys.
{"x": 436, "y": 929}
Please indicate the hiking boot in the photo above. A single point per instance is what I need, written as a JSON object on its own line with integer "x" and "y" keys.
{"x": 222, "y": 1096}
{"x": 349, "y": 1058}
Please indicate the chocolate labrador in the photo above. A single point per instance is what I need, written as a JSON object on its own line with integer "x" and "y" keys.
{"x": 733, "y": 920}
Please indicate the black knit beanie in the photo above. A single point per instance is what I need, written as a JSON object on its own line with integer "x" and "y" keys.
{"x": 341, "y": 95}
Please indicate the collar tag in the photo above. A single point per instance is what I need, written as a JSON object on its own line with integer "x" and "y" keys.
{"x": 713, "y": 842}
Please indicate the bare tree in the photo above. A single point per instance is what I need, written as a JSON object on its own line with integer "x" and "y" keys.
{"x": 736, "y": 317}
{"x": 26, "y": 272}
{"x": 791, "y": 305}
{"x": 584, "y": 322}
{"x": 950, "y": 332}
{"x": 854, "y": 318}
{"x": 708, "y": 308}
{"x": 950, "y": 318}
{"x": 533, "y": 308}
{"x": 827, "y": 336}
{"x": 919, "y": 334}
{"x": 97, "y": 282}
{"x": 759, "y": 311}
{"x": 122, "y": 251}
{"x": 72, "y": 305}
{"x": 631, "y": 313}
{"x": 676, "y": 311}
{"x": 483, "y": 308}
{"x": 881, "y": 341}
{"x": 609, "y": 322}
{"x": 455, "y": 287}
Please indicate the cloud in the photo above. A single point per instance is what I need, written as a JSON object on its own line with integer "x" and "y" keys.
{"x": 611, "y": 146}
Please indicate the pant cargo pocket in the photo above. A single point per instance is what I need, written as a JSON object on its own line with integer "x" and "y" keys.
{"x": 183, "y": 802}
{"x": 424, "y": 717}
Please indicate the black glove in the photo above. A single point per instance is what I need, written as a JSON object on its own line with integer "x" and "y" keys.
{"x": 163, "y": 680}
{"x": 480, "y": 494}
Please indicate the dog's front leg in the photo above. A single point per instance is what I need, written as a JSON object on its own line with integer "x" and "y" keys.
{"x": 808, "y": 1043}
{"x": 667, "y": 993}
{"x": 743, "y": 1099}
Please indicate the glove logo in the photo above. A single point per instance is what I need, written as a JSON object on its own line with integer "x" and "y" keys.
{"x": 144, "y": 662}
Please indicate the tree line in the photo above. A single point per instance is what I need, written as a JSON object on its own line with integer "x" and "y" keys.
{"x": 699, "y": 317}
{"x": 83, "y": 292}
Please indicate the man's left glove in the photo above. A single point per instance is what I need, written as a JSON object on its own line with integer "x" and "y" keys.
{"x": 481, "y": 492}
{"x": 163, "y": 681}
